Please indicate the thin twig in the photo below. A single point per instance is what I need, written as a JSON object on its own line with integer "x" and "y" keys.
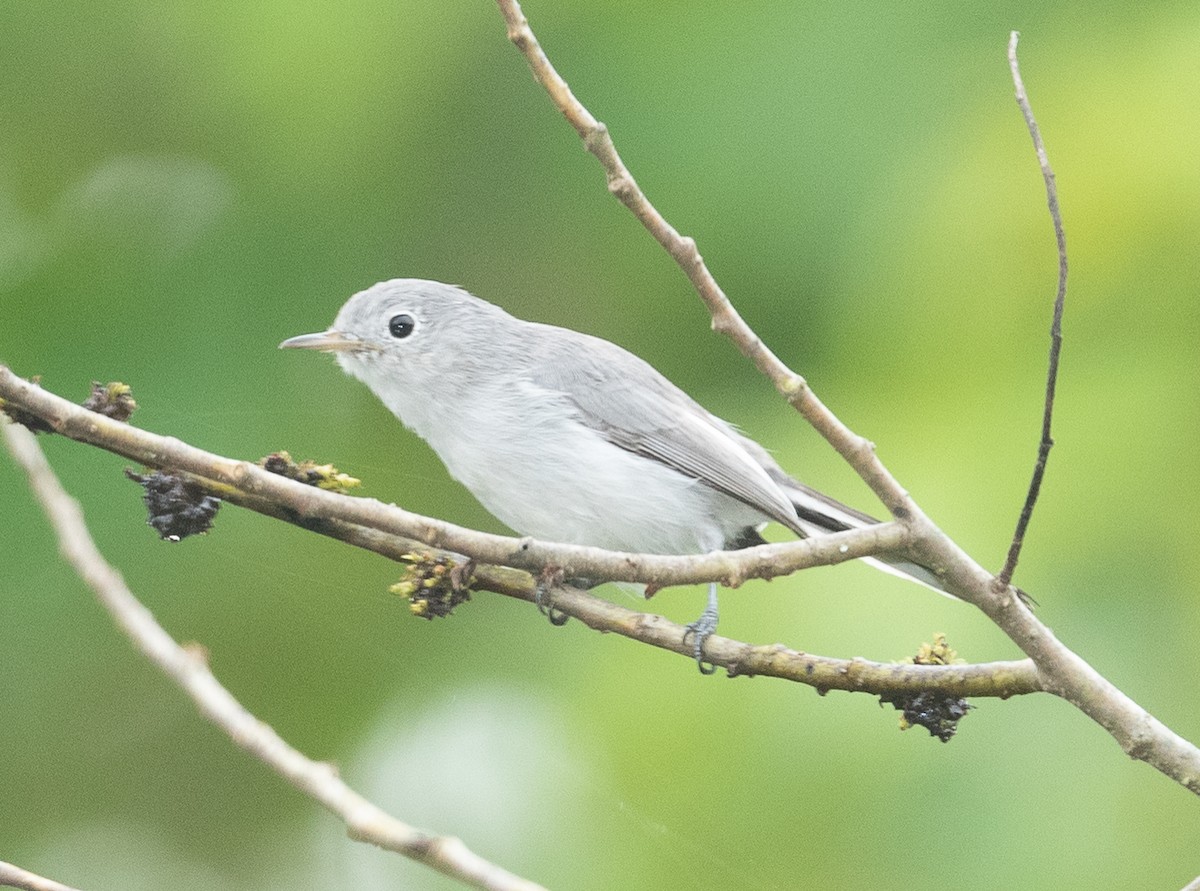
{"x": 292, "y": 503}
{"x": 186, "y": 667}
{"x": 1060, "y": 237}
{"x": 15, "y": 877}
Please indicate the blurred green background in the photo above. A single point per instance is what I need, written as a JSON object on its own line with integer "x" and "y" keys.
{"x": 184, "y": 185}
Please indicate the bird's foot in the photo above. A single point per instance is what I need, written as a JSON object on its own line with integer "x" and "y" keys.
{"x": 546, "y": 580}
{"x": 702, "y": 629}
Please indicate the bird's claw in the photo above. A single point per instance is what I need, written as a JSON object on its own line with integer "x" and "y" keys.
{"x": 701, "y": 630}
{"x": 696, "y": 630}
{"x": 542, "y": 600}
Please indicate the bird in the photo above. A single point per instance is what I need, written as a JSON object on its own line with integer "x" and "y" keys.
{"x": 567, "y": 437}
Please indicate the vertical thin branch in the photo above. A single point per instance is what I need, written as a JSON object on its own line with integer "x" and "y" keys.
{"x": 1047, "y": 441}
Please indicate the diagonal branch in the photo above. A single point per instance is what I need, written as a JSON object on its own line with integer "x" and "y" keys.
{"x": 186, "y": 667}
{"x": 1060, "y": 237}
{"x": 15, "y": 877}
{"x": 856, "y": 450}
{"x": 1061, "y": 670}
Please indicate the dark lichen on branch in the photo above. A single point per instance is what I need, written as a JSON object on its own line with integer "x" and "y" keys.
{"x": 113, "y": 400}
{"x": 177, "y": 507}
{"x": 937, "y": 713}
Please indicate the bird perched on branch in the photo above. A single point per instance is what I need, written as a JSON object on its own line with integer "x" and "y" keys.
{"x": 566, "y": 437}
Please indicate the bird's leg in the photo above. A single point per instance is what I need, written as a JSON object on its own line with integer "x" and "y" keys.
{"x": 702, "y": 629}
{"x": 547, "y": 579}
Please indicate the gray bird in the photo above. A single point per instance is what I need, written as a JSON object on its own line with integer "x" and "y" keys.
{"x": 566, "y": 437}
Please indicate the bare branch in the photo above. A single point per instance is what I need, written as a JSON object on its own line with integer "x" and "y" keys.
{"x": 731, "y": 568}
{"x": 1001, "y": 679}
{"x": 338, "y": 517}
{"x": 857, "y": 451}
{"x": 1058, "y": 669}
{"x": 1060, "y": 237}
{"x": 1062, "y": 671}
{"x": 15, "y": 877}
{"x": 186, "y": 667}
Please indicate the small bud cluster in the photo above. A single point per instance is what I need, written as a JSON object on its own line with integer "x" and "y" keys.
{"x": 433, "y": 585}
{"x": 323, "y": 476}
{"x": 113, "y": 400}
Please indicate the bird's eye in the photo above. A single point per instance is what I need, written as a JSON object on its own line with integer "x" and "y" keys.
{"x": 401, "y": 326}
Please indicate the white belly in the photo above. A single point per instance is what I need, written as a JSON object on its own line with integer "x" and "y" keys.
{"x": 548, "y": 476}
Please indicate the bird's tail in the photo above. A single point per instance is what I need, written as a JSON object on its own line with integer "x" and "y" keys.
{"x": 819, "y": 515}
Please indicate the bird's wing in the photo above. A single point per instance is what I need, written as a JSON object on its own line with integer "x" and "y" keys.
{"x": 634, "y": 407}
{"x": 818, "y": 514}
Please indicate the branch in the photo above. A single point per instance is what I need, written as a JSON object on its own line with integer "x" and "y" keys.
{"x": 730, "y": 568}
{"x": 824, "y": 673}
{"x": 1062, "y": 671}
{"x": 357, "y": 521}
{"x": 1057, "y": 669}
{"x": 1000, "y": 679}
{"x": 858, "y": 452}
{"x": 15, "y": 877}
{"x": 1060, "y": 237}
{"x": 187, "y": 668}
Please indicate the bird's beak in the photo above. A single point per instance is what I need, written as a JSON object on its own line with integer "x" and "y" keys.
{"x": 328, "y": 341}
